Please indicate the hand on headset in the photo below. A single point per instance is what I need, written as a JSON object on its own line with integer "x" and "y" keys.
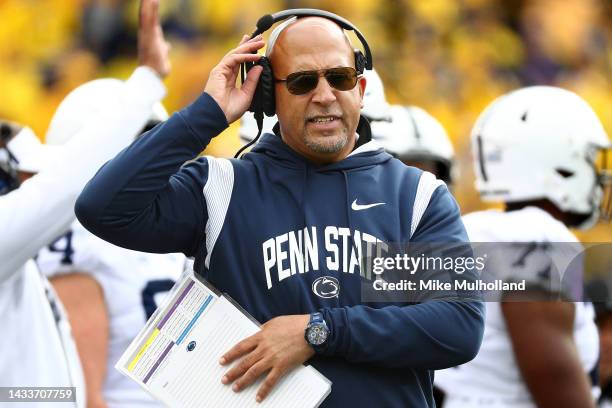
{"x": 221, "y": 85}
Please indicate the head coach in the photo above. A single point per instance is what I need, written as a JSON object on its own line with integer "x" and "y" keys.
{"x": 282, "y": 229}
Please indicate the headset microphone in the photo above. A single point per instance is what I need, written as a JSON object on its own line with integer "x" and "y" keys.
{"x": 263, "y": 24}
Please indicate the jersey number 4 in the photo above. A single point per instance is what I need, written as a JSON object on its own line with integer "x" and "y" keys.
{"x": 66, "y": 249}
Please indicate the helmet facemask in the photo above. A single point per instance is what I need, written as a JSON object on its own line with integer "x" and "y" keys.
{"x": 8, "y": 163}
{"x": 8, "y": 172}
{"x": 602, "y": 163}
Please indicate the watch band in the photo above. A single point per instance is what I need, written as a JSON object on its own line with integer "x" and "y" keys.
{"x": 316, "y": 317}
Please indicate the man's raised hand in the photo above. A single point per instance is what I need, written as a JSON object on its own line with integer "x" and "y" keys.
{"x": 153, "y": 49}
{"x": 221, "y": 85}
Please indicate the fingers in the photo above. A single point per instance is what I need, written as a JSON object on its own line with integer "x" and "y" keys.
{"x": 271, "y": 379}
{"x": 154, "y": 11}
{"x": 248, "y": 46}
{"x": 153, "y": 50}
{"x": 251, "y": 375}
{"x": 242, "y": 367}
{"x": 249, "y": 85}
{"x": 229, "y": 65}
{"x": 148, "y": 14}
{"x": 241, "y": 348}
{"x": 234, "y": 59}
{"x": 245, "y": 52}
{"x": 244, "y": 39}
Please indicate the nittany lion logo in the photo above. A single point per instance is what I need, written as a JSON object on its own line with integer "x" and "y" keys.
{"x": 326, "y": 287}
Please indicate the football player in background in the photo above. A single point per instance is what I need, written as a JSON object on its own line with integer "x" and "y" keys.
{"x": 375, "y": 105}
{"x": 417, "y": 139}
{"x": 108, "y": 292}
{"x": 408, "y": 133}
{"x": 535, "y": 150}
{"x": 38, "y": 349}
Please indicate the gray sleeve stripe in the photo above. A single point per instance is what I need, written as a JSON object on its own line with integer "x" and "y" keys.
{"x": 427, "y": 185}
{"x": 217, "y": 193}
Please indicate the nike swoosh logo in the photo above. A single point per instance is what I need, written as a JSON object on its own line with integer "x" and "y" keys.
{"x": 358, "y": 207}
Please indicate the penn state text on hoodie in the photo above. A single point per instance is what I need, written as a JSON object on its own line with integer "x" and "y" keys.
{"x": 265, "y": 228}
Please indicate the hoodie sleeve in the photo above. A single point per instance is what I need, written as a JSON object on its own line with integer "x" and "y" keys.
{"x": 434, "y": 334}
{"x": 41, "y": 209}
{"x": 146, "y": 198}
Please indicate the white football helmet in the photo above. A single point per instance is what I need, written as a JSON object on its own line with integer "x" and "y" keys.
{"x": 542, "y": 142}
{"x": 85, "y": 103}
{"x": 248, "y": 126}
{"x": 413, "y": 135}
{"x": 375, "y": 106}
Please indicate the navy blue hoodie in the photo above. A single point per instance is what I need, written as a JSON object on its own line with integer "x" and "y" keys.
{"x": 265, "y": 229}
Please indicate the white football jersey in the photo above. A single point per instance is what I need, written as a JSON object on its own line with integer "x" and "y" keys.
{"x": 133, "y": 284}
{"x": 36, "y": 348}
{"x": 36, "y": 330}
{"x": 493, "y": 378}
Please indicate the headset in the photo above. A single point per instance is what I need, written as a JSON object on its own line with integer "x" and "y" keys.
{"x": 264, "y": 99}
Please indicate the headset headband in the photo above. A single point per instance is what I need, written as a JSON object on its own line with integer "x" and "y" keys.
{"x": 267, "y": 21}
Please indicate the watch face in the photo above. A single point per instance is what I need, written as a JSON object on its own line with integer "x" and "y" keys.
{"x": 317, "y": 334}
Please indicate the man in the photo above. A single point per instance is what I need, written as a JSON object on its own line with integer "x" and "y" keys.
{"x": 281, "y": 230}
{"x": 417, "y": 139}
{"x": 535, "y": 150}
{"x": 36, "y": 343}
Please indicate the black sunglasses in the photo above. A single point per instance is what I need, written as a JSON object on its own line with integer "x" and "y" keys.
{"x": 302, "y": 82}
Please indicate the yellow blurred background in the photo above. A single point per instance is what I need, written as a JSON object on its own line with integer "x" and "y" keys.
{"x": 451, "y": 57}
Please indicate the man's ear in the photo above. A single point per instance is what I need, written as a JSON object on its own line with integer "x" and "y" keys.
{"x": 362, "y": 86}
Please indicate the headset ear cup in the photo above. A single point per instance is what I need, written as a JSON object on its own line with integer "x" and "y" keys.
{"x": 256, "y": 101}
{"x": 266, "y": 86}
{"x": 263, "y": 98}
{"x": 360, "y": 62}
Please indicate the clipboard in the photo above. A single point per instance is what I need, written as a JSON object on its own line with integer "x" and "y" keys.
{"x": 175, "y": 356}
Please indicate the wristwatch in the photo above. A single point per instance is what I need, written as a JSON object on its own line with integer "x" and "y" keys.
{"x": 317, "y": 332}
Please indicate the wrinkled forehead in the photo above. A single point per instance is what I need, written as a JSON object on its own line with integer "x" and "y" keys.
{"x": 309, "y": 43}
